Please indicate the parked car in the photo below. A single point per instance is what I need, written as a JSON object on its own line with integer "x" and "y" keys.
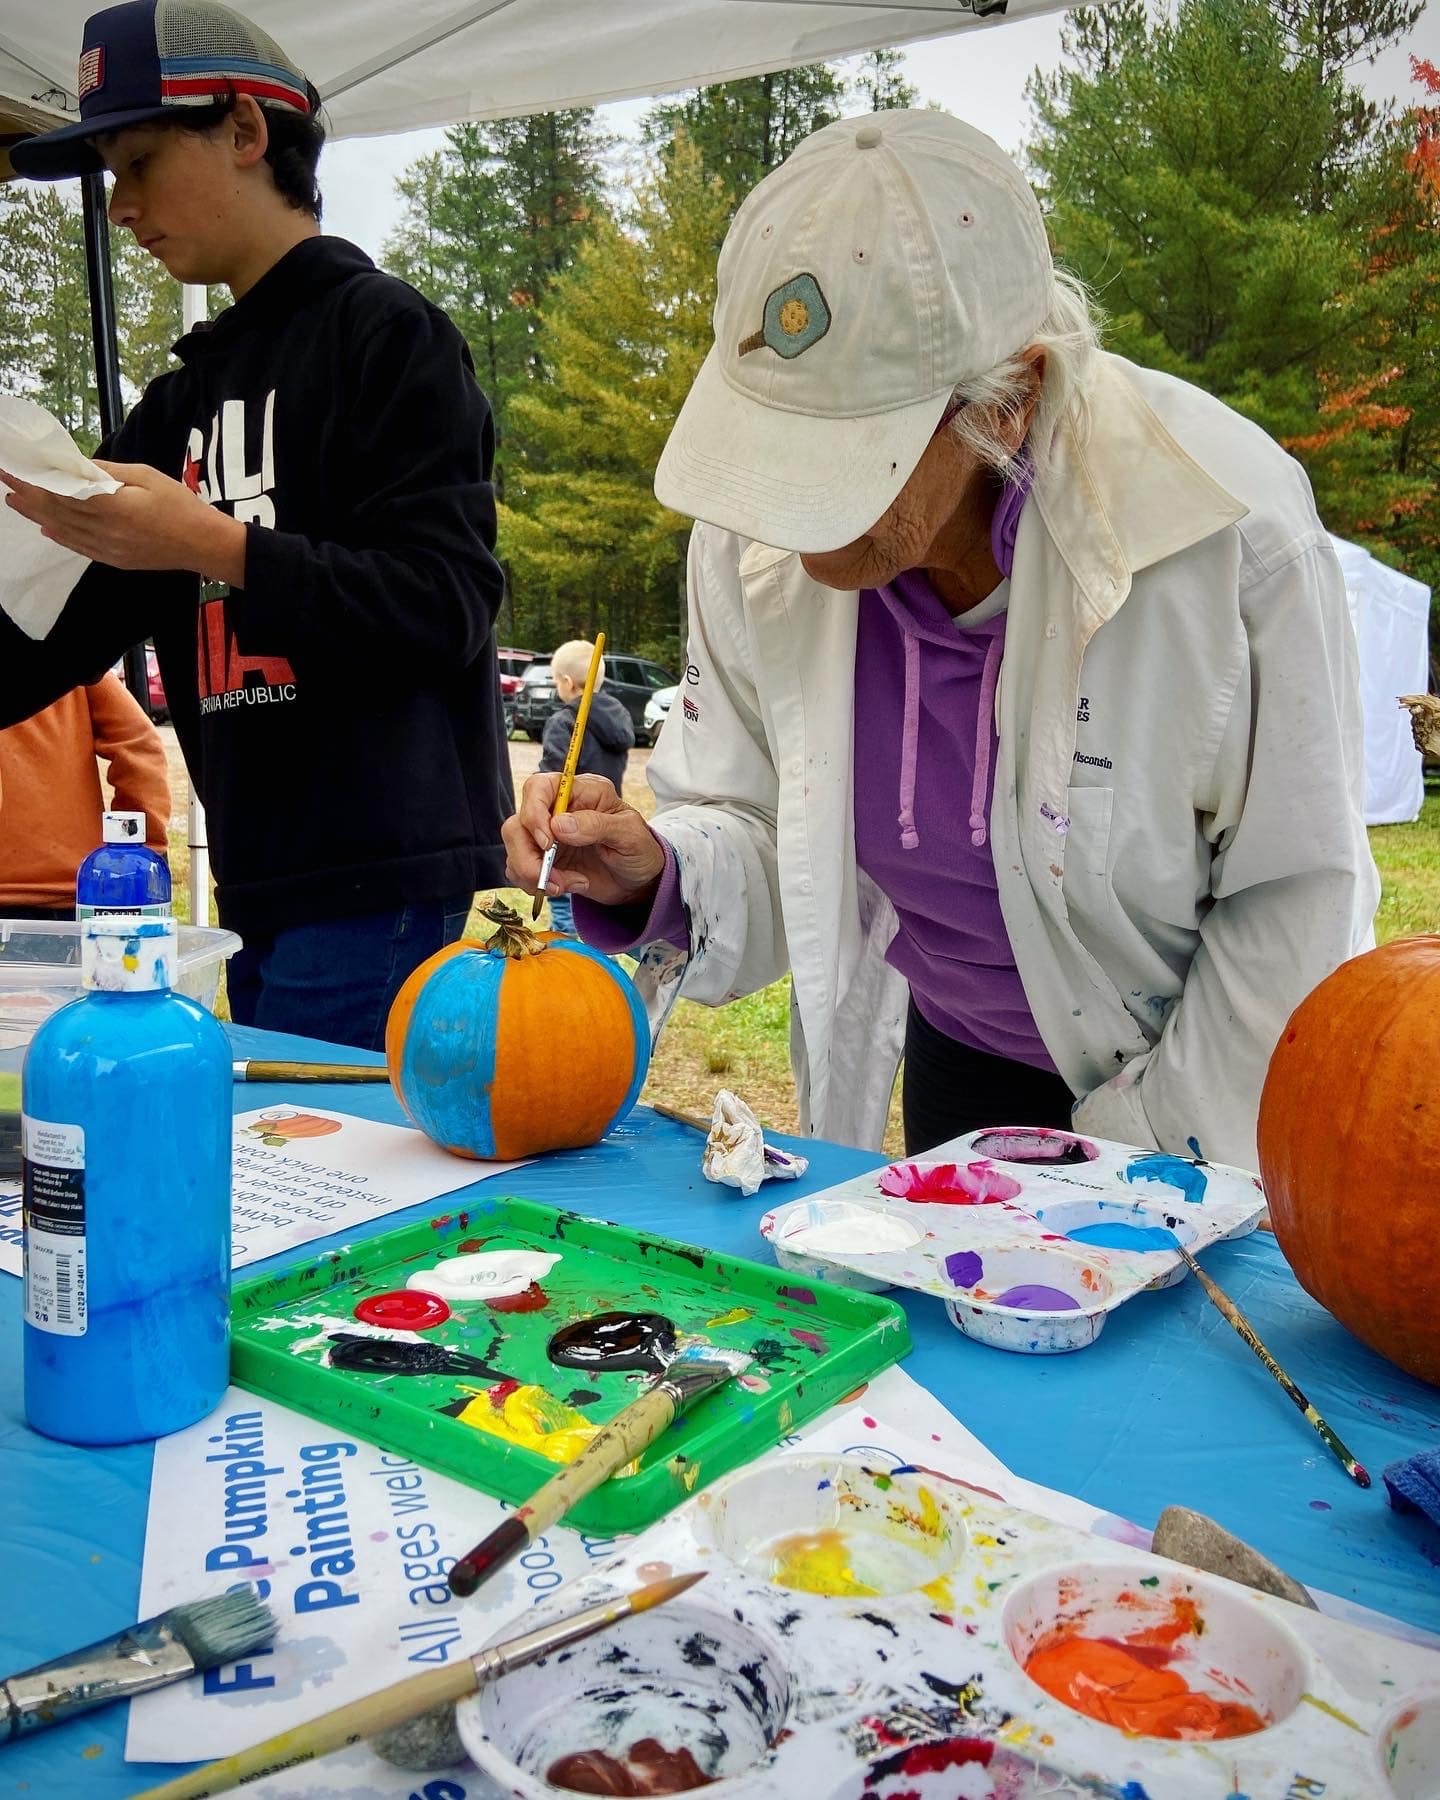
{"x": 159, "y": 706}
{"x": 657, "y": 712}
{"x": 513, "y": 664}
{"x": 633, "y": 680}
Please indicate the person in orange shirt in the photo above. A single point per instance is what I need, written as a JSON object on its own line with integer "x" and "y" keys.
{"x": 51, "y": 799}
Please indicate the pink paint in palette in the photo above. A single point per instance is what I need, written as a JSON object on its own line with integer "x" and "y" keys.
{"x": 1031, "y": 1237}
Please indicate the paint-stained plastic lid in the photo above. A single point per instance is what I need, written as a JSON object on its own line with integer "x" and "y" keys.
{"x": 120, "y": 954}
{"x": 122, "y": 827}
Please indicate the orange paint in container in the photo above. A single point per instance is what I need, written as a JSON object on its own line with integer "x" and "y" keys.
{"x": 1126, "y": 1685}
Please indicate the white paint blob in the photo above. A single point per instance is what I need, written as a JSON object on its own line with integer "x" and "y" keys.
{"x": 486, "y": 1275}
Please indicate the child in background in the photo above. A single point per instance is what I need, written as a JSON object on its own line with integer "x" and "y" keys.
{"x": 609, "y": 734}
{"x": 51, "y": 799}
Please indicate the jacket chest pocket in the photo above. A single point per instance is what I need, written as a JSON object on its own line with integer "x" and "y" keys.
{"x": 1088, "y": 888}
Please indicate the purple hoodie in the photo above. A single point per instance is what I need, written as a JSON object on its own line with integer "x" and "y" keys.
{"x": 931, "y": 862}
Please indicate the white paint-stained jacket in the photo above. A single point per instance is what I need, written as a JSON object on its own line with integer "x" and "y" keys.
{"x": 1176, "y": 823}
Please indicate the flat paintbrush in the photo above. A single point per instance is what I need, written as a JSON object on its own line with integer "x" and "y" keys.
{"x": 694, "y": 1373}
{"x": 1227, "y": 1309}
{"x": 407, "y": 1699}
{"x": 184, "y": 1641}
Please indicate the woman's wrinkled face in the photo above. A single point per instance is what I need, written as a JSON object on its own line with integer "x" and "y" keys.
{"x": 938, "y": 488}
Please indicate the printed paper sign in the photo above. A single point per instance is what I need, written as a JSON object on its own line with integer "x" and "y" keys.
{"x": 302, "y": 1172}
{"x": 350, "y": 1546}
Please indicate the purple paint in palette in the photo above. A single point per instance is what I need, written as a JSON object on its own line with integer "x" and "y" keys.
{"x": 1034, "y": 1296}
{"x": 964, "y": 1267}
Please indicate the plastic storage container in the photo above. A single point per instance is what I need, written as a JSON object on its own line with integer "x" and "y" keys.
{"x": 127, "y": 1141}
{"x": 40, "y": 972}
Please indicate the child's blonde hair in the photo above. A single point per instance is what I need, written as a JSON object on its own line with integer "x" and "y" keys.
{"x": 573, "y": 661}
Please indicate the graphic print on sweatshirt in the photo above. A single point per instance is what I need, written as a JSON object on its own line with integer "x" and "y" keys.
{"x": 232, "y": 464}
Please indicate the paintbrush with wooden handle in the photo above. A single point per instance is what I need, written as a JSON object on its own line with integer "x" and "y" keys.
{"x": 1228, "y": 1310}
{"x": 405, "y": 1700}
{"x": 694, "y": 1373}
{"x": 253, "y": 1068}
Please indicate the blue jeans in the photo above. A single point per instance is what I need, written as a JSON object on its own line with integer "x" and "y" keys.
{"x": 337, "y": 979}
{"x": 562, "y": 914}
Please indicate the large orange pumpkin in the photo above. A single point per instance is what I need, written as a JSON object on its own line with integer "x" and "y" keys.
{"x": 1349, "y": 1143}
{"x": 518, "y": 1043}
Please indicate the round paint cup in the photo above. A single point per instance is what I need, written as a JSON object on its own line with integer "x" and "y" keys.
{"x": 1039, "y": 1300}
{"x": 1216, "y": 1640}
{"x": 1408, "y": 1746}
{"x": 1036, "y": 1146}
{"x": 1117, "y": 1228}
{"x": 690, "y": 1677}
{"x": 807, "y": 1234}
{"x": 834, "y": 1525}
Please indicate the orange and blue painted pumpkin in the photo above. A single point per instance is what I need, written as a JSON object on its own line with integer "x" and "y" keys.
{"x": 518, "y": 1043}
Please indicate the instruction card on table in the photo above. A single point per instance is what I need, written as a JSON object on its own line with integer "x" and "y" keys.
{"x": 350, "y": 1546}
{"x": 301, "y": 1173}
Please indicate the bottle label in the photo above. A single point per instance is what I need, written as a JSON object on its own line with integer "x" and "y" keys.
{"x": 54, "y": 1180}
{"x": 161, "y": 911}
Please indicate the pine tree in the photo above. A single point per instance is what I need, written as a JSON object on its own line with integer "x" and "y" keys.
{"x": 621, "y": 338}
{"x": 877, "y": 82}
{"x": 744, "y": 129}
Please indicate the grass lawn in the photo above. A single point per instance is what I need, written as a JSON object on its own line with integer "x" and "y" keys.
{"x": 744, "y": 1046}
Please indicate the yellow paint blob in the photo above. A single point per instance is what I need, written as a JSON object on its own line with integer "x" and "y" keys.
{"x": 941, "y": 1594}
{"x": 533, "y": 1418}
{"x": 817, "y": 1562}
{"x": 737, "y": 1315}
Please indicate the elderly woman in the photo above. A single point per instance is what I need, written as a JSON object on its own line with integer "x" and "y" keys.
{"x": 1020, "y": 722}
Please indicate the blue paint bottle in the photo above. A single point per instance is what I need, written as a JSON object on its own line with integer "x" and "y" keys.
{"x": 124, "y": 875}
{"x": 126, "y": 1100}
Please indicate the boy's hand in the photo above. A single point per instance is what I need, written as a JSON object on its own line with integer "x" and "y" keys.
{"x": 607, "y": 851}
{"x": 151, "y": 522}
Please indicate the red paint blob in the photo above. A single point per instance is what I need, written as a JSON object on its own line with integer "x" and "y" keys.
{"x": 950, "y": 1753}
{"x": 404, "y": 1309}
{"x": 948, "y": 1184}
{"x": 530, "y": 1299}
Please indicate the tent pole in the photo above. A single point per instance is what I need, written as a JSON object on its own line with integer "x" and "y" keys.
{"x": 107, "y": 363}
{"x": 195, "y": 306}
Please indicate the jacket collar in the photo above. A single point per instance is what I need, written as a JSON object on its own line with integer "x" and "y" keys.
{"x": 1128, "y": 496}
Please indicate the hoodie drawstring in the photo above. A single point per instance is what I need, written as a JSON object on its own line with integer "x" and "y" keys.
{"x": 980, "y": 787}
{"x": 909, "y": 836}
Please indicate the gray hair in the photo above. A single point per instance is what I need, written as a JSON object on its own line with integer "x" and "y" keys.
{"x": 991, "y": 403}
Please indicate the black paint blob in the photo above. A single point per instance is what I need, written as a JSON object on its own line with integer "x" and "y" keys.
{"x": 615, "y": 1340}
{"x": 393, "y": 1356}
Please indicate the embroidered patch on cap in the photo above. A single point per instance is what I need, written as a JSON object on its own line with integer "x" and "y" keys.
{"x": 797, "y": 315}
{"x": 92, "y": 71}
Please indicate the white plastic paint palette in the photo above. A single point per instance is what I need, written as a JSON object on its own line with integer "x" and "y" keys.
{"x": 1030, "y": 1237}
{"x": 913, "y": 1684}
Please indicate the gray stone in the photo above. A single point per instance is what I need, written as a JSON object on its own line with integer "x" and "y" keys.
{"x": 428, "y": 1741}
{"x": 1189, "y": 1537}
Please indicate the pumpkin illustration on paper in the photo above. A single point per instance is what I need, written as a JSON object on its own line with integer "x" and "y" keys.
{"x": 281, "y": 1125}
{"x": 517, "y": 1043}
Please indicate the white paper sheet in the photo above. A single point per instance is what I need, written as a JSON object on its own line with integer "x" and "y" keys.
{"x": 36, "y": 574}
{"x": 290, "y": 1190}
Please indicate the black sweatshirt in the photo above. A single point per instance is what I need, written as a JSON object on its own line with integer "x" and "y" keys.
{"x": 340, "y": 715}
{"x": 605, "y": 750}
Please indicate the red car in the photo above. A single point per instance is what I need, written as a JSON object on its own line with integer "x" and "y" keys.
{"x": 513, "y": 664}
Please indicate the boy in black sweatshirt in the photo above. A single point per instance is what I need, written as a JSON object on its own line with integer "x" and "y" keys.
{"x": 306, "y": 530}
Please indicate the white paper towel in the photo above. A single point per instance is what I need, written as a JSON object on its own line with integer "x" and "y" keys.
{"x": 36, "y": 575}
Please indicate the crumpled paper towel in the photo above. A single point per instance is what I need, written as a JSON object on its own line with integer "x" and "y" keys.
{"x": 736, "y": 1153}
{"x": 36, "y": 575}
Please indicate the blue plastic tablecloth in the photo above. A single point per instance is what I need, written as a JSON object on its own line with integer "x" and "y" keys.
{"x": 1167, "y": 1407}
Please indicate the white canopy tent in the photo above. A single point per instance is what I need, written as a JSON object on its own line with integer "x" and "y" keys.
{"x": 1391, "y": 616}
{"x": 385, "y": 68}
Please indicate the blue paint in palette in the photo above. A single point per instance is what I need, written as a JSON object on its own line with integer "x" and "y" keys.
{"x": 1170, "y": 1171}
{"x": 1115, "y": 1234}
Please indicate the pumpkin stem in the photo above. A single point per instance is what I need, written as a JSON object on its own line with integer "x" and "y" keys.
{"x": 512, "y": 937}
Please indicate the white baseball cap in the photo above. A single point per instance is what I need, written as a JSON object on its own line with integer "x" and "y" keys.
{"x": 890, "y": 258}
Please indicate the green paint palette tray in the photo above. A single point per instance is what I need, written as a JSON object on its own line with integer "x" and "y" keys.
{"x": 490, "y": 1393}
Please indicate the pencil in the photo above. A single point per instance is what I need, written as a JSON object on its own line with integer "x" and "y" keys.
{"x": 1227, "y": 1308}
{"x": 572, "y": 762}
{"x": 407, "y": 1699}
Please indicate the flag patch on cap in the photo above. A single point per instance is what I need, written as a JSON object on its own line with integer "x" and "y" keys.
{"x": 92, "y": 71}
{"x": 797, "y": 315}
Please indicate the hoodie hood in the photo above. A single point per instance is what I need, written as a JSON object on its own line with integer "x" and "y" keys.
{"x": 610, "y": 722}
